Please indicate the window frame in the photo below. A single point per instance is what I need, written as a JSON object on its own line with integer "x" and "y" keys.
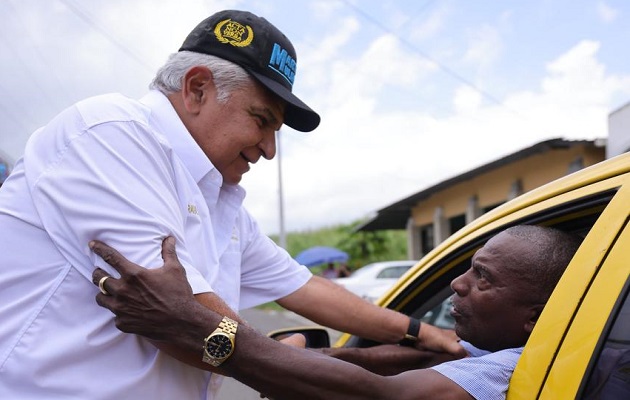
{"x": 427, "y": 287}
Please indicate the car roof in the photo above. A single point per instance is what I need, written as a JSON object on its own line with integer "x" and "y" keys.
{"x": 391, "y": 263}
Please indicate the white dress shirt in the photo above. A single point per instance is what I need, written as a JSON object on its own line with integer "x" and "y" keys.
{"x": 128, "y": 173}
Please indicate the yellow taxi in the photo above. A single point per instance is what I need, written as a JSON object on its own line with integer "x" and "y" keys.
{"x": 582, "y": 340}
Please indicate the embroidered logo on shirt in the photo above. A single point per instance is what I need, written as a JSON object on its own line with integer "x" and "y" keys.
{"x": 192, "y": 209}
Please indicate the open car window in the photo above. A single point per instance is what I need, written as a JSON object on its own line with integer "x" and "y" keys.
{"x": 427, "y": 296}
{"x": 577, "y": 217}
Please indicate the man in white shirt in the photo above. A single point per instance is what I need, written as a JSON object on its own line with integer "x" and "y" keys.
{"x": 130, "y": 173}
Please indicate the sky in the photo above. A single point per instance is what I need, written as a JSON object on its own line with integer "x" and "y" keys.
{"x": 410, "y": 92}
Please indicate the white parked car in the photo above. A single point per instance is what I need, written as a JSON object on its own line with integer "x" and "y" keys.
{"x": 374, "y": 279}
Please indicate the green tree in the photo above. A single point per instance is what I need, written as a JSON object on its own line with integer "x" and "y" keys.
{"x": 362, "y": 247}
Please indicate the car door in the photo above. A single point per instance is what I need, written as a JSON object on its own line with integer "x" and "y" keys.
{"x": 565, "y": 350}
{"x": 594, "y": 203}
{"x": 609, "y": 372}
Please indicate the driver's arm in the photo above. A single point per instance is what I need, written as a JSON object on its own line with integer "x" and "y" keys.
{"x": 388, "y": 359}
{"x": 159, "y": 304}
{"x": 284, "y": 372}
{"x": 192, "y": 356}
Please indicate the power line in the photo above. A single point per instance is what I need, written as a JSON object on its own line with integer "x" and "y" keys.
{"x": 34, "y": 76}
{"x": 92, "y": 22}
{"x": 443, "y": 67}
{"x": 421, "y": 10}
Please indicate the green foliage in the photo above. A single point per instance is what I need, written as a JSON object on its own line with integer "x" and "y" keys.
{"x": 363, "y": 247}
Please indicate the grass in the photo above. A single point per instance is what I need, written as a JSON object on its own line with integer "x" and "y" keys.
{"x": 270, "y": 306}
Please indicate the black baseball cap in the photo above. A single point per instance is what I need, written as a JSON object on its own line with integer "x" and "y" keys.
{"x": 262, "y": 50}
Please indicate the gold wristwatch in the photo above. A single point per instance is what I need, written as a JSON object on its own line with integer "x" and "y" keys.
{"x": 219, "y": 345}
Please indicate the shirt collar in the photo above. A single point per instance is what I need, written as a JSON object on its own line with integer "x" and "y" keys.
{"x": 165, "y": 119}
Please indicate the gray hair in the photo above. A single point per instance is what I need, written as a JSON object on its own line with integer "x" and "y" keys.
{"x": 545, "y": 266}
{"x": 227, "y": 75}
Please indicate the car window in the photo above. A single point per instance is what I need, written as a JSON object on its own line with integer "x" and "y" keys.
{"x": 440, "y": 315}
{"x": 432, "y": 302}
{"x": 392, "y": 272}
{"x": 364, "y": 270}
{"x": 427, "y": 296}
{"x": 610, "y": 370}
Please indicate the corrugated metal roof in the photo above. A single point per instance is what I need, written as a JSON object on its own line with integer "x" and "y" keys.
{"x": 395, "y": 216}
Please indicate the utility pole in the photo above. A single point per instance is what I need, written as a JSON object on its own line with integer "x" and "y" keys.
{"x": 283, "y": 237}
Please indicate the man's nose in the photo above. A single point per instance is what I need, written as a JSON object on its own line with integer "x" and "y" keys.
{"x": 268, "y": 145}
{"x": 458, "y": 285}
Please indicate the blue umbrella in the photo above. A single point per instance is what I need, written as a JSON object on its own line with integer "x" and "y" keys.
{"x": 321, "y": 254}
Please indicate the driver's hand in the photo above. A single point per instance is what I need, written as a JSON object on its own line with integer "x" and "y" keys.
{"x": 296, "y": 340}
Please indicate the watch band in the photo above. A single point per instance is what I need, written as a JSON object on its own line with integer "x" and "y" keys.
{"x": 228, "y": 326}
{"x": 411, "y": 337}
{"x": 222, "y": 349}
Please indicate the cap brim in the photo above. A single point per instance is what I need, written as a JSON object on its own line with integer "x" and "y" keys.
{"x": 297, "y": 115}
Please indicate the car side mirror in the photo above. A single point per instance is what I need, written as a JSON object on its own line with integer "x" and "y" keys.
{"x": 316, "y": 337}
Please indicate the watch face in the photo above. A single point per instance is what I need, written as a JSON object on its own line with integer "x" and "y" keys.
{"x": 219, "y": 346}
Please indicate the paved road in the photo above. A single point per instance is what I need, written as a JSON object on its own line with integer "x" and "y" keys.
{"x": 264, "y": 321}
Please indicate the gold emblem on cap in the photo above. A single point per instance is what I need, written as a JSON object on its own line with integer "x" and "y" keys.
{"x": 228, "y": 31}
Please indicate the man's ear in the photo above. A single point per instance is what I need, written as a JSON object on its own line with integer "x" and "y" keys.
{"x": 534, "y": 313}
{"x": 197, "y": 87}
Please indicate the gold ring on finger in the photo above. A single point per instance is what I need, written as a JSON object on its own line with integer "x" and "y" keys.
{"x": 101, "y": 285}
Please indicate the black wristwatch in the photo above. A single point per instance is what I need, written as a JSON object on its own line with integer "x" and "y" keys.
{"x": 219, "y": 345}
{"x": 411, "y": 337}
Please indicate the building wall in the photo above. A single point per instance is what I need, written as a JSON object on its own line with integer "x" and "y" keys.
{"x": 496, "y": 187}
{"x": 618, "y": 132}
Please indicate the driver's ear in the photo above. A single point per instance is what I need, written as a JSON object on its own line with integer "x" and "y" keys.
{"x": 534, "y": 314}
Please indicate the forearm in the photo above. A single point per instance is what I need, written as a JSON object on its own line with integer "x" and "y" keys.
{"x": 188, "y": 332}
{"x": 282, "y": 372}
{"x": 389, "y": 359}
{"x": 341, "y": 310}
{"x": 193, "y": 328}
{"x": 330, "y": 305}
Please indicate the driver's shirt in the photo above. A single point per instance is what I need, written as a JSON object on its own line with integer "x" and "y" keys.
{"x": 484, "y": 375}
{"x": 128, "y": 173}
